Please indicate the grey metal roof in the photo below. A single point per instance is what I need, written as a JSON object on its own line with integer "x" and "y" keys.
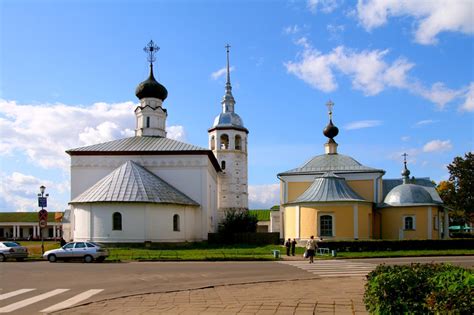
{"x": 143, "y": 144}
{"x": 329, "y": 187}
{"x": 389, "y": 184}
{"x": 408, "y": 195}
{"x": 131, "y": 182}
{"x": 228, "y": 119}
{"x": 337, "y": 163}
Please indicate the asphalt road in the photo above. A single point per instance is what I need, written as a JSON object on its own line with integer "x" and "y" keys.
{"x": 123, "y": 279}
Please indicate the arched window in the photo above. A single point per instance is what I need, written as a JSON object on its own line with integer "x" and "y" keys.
{"x": 224, "y": 142}
{"x": 176, "y": 223}
{"x": 148, "y": 122}
{"x": 238, "y": 142}
{"x": 409, "y": 223}
{"x": 117, "y": 221}
{"x": 223, "y": 165}
{"x": 325, "y": 225}
{"x": 213, "y": 143}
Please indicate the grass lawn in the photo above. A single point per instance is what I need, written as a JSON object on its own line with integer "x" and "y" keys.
{"x": 204, "y": 252}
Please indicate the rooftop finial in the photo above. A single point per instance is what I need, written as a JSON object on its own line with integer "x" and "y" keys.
{"x": 228, "y": 100}
{"x": 330, "y": 105}
{"x": 151, "y": 49}
{"x": 405, "y": 172}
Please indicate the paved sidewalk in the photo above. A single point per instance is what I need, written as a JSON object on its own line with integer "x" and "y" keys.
{"x": 313, "y": 296}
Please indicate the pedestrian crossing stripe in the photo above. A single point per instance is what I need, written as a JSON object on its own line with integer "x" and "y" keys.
{"x": 333, "y": 268}
{"x": 56, "y": 307}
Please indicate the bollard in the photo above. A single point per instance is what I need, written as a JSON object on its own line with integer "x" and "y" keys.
{"x": 334, "y": 253}
{"x": 276, "y": 253}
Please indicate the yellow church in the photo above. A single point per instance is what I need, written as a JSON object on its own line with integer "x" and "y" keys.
{"x": 334, "y": 197}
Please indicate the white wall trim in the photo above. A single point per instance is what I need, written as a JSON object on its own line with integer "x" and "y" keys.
{"x": 298, "y": 224}
{"x": 355, "y": 208}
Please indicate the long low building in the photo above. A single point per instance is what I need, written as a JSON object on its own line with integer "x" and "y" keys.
{"x": 24, "y": 225}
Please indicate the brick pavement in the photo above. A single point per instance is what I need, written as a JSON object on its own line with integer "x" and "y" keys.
{"x": 312, "y": 296}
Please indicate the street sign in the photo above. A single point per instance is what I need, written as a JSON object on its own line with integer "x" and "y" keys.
{"x": 42, "y": 202}
{"x": 43, "y": 224}
{"x": 43, "y": 215}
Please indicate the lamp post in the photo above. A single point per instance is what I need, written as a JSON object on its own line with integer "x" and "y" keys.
{"x": 42, "y": 214}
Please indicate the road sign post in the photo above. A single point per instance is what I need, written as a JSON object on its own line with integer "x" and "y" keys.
{"x": 42, "y": 214}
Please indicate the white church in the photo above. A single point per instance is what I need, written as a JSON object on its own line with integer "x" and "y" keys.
{"x": 153, "y": 188}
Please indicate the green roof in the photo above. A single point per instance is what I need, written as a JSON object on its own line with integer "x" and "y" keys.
{"x": 25, "y": 216}
{"x": 262, "y": 215}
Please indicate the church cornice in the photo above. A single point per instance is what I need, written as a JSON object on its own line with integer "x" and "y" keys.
{"x": 228, "y": 128}
{"x": 143, "y": 107}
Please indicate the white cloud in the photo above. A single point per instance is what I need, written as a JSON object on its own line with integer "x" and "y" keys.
{"x": 221, "y": 72}
{"x": 432, "y": 17}
{"x": 438, "y": 146}
{"x": 19, "y": 191}
{"x": 325, "y": 6}
{"x": 292, "y": 29}
{"x": 369, "y": 72}
{"x": 362, "y": 124}
{"x": 335, "y": 31}
{"x": 264, "y": 196}
{"x": 425, "y": 122}
{"x": 43, "y": 132}
{"x": 468, "y": 104}
{"x": 176, "y": 133}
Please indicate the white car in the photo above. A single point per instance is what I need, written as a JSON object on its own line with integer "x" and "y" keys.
{"x": 12, "y": 250}
{"x": 87, "y": 251}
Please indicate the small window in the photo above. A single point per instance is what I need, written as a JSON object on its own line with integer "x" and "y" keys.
{"x": 223, "y": 165}
{"x": 90, "y": 245}
{"x": 409, "y": 223}
{"x": 325, "y": 222}
{"x": 148, "y": 122}
{"x": 176, "y": 223}
{"x": 117, "y": 221}
{"x": 80, "y": 245}
{"x": 224, "y": 142}
{"x": 238, "y": 142}
{"x": 69, "y": 245}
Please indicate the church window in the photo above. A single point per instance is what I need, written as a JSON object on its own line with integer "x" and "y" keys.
{"x": 238, "y": 142}
{"x": 176, "y": 223}
{"x": 409, "y": 222}
{"x": 223, "y": 165}
{"x": 224, "y": 142}
{"x": 325, "y": 223}
{"x": 117, "y": 221}
{"x": 148, "y": 122}
{"x": 213, "y": 143}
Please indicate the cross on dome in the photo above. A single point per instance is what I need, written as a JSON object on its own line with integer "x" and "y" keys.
{"x": 151, "y": 49}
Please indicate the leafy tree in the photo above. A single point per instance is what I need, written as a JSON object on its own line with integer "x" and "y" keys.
{"x": 238, "y": 222}
{"x": 458, "y": 192}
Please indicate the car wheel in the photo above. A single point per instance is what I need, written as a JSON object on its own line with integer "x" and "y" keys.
{"x": 52, "y": 258}
{"x": 20, "y": 259}
{"x": 2, "y": 257}
{"x": 88, "y": 259}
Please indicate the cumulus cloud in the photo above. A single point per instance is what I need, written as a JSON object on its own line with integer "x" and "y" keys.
{"x": 176, "y": 133}
{"x": 221, "y": 72}
{"x": 43, "y": 132}
{"x": 264, "y": 196}
{"x": 19, "y": 192}
{"x": 369, "y": 72}
{"x": 431, "y": 17}
{"x": 325, "y": 6}
{"x": 438, "y": 146}
{"x": 292, "y": 29}
{"x": 362, "y": 124}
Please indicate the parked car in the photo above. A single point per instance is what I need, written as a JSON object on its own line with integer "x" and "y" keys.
{"x": 87, "y": 251}
{"x": 12, "y": 250}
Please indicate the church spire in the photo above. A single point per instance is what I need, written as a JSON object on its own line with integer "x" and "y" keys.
{"x": 330, "y": 131}
{"x": 406, "y": 171}
{"x": 228, "y": 100}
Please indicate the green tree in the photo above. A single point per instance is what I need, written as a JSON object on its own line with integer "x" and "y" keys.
{"x": 238, "y": 222}
{"x": 458, "y": 192}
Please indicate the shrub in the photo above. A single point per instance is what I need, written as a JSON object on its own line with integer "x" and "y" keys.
{"x": 238, "y": 222}
{"x": 418, "y": 288}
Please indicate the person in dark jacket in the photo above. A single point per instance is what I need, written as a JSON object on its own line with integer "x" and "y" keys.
{"x": 62, "y": 242}
{"x": 293, "y": 247}
{"x": 288, "y": 247}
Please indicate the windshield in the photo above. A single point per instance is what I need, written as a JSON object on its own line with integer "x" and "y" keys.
{"x": 10, "y": 244}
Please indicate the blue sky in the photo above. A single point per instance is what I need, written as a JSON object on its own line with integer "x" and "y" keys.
{"x": 401, "y": 75}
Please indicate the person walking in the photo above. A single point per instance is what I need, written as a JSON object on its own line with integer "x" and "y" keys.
{"x": 311, "y": 248}
{"x": 288, "y": 246}
{"x": 293, "y": 247}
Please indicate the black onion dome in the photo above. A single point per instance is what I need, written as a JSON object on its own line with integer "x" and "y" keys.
{"x": 330, "y": 131}
{"x": 151, "y": 88}
{"x": 405, "y": 172}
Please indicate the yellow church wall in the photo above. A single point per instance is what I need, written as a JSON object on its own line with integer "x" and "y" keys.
{"x": 296, "y": 189}
{"x": 392, "y": 222}
{"x": 290, "y": 222}
{"x": 365, "y": 188}
{"x": 308, "y": 224}
{"x": 365, "y": 220}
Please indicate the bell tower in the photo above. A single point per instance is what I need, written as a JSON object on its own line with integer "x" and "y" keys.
{"x": 228, "y": 142}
